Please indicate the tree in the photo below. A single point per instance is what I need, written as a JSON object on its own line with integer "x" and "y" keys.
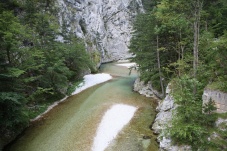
{"x": 188, "y": 122}
{"x": 196, "y": 27}
{"x": 144, "y": 44}
{"x": 13, "y": 114}
{"x": 10, "y": 34}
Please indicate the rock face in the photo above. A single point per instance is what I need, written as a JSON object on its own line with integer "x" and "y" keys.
{"x": 145, "y": 89}
{"x": 218, "y": 97}
{"x": 164, "y": 116}
{"x": 104, "y": 25}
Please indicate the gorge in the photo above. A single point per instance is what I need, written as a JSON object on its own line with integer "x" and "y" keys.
{"x": 104, "y": 25}
{"x": 105, "y": 29}
{"x": 50, "y": 47}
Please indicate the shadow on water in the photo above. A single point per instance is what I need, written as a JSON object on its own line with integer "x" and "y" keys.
{"x": 72, "y": 125}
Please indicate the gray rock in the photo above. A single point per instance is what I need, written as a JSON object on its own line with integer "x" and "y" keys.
{"x": 164, "y": 116}
{"x": 105, "y": 25}
{"x": 166, "y": 104}
{"x": 145, "y": 89}
{"x": 220, "y": 99}
{"x": 163, "y": 120}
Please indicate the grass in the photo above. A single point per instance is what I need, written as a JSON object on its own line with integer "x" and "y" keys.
{"x": 218, "y": 85}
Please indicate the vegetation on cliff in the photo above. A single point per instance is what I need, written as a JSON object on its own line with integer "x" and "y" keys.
{"x": 184, "y": 42}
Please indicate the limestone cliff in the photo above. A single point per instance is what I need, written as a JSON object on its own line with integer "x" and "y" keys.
{"x": 220, "y": 99}
{"x": 163, "y": 119}
{"x": 104, "y": 25}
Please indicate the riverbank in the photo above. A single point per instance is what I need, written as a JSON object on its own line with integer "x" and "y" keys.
{"x": 88, "y": 81}
{"x": 163, "y": 117}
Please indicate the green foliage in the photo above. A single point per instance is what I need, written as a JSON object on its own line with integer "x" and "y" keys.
{"x": 209, "y": 109}
{"x": 219, "y": 134}
{"x": 213, "y": 64}
{"x": 149, "y": 5}
{"x": 73, "y": 86}
{"x": 188, "y": 133}
{"x": 35, "y": 68}
{"x": 75, "y": 56}
{"x": 215, "y": 16}
{"x": 172, "y": 28}
{"x": 173, "y": 23}
{"x": 143, "y": 46}
{"x": 190, "y": 122}
{"x": 10, "y": 36}
{"x": 13, "y": 114}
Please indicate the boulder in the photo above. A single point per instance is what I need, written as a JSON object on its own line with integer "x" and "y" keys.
{"x": 146, "y": 89}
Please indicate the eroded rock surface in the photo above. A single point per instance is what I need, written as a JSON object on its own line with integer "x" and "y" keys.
{"x": 220, "y": 99}
{"x": 105, "y": 25}
{"x": 163, "y": 118}
{"x": 145, "y": 89}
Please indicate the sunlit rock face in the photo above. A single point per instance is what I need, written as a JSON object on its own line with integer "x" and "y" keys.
{"x": 104, "y": 25}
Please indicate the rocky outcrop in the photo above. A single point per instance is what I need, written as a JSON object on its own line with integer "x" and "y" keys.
{"x": 104, "y": 25}
{"x": 165, "y": 111}
{"x": 220, "y": 135}
{"x": 163, "y": 120}
{"x": 146, "y": 89}
{"x": 164, "y": 117}
{"x": 220, "y": 99}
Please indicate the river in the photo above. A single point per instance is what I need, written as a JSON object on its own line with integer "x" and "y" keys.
{"x": 73, "y": 124}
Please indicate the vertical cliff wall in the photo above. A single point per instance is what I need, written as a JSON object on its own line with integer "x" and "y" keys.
{"x": 105, "y": 25}
{"x": 220, "y": 99}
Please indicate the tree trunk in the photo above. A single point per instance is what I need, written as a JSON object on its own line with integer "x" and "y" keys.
{"x": 159, "y": 68}
{"x": 196, "y": 28}
{"x": 8, "y": 54}
{"x": 181, "y": 46}
{"x": 181, "y": 51}
{"x": 196, "y": 37}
